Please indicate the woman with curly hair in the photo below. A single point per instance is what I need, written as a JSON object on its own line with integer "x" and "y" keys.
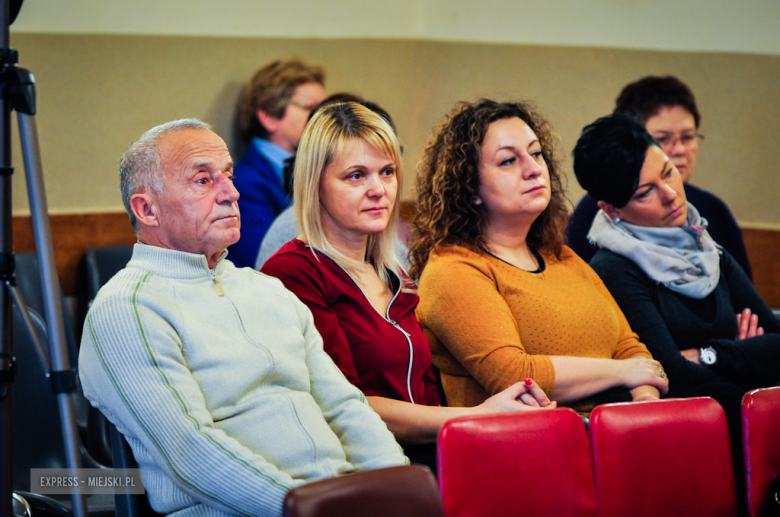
{"x": 501, "y": 297}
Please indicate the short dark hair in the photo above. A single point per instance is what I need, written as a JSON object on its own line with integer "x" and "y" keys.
{"x": 644, "y": 98}
{"x": 342, "y": 97}
{"x": 609, "y": 156}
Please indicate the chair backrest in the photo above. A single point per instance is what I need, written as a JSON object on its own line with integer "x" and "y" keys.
{"x": 127, "y": 505}
{"x": 669, "y": 457}
{"x": 761, "y": 442}
{"x": 37, "y": 435}
{"x": 392, "y": 492}
{"x": 88, "y": 419}
{"x": 28, "y": 280}
{"x": 103, "y": 263}
{"x": 532, "y": 463}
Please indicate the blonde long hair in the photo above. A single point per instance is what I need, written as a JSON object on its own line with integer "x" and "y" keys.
{"x": 331, "y": 129}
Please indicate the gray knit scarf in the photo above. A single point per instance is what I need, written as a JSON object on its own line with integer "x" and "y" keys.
{"x": 685, "y": 258}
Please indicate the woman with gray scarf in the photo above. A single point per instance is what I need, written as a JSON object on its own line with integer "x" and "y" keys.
{"x": 679, "y": 290}
{"x": 687, "y": 298}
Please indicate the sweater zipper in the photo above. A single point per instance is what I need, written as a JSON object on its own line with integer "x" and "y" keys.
{"x": 391, "y": 322}
{"x": 220, "y": 291}
{"x": 408, "y": 341}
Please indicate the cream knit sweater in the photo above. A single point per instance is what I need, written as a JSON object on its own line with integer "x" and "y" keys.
{"x": 219, "y": 381}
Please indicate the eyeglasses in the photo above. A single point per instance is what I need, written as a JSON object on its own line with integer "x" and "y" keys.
{"x": 688, "y": 140}
{"x": 303, "y": 106}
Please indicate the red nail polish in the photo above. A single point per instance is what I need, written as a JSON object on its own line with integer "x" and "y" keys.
{"x": 528, "y": 381}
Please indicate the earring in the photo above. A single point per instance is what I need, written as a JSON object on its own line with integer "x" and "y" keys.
{"x": 617, "y": 219}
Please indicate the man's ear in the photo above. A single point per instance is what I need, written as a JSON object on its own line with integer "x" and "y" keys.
{"x": 610, "y": 210}
{"x": 144, "y": 206}
{"x": 269, "y": 122}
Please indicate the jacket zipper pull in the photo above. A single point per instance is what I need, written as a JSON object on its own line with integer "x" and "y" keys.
{"x": 220, "y": 291}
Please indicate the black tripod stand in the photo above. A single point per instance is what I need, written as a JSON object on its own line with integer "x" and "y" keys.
{"x": 17, "y": 92}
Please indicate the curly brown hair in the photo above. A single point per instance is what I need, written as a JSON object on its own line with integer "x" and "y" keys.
{"x": 448, "y": 181}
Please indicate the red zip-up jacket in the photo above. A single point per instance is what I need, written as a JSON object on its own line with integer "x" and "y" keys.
{"x": 385, "y": 356}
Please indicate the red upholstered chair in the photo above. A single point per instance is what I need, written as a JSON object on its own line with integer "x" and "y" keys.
{"x": 668, "y": 457}
{"x": 392, "y": 492}
{"x": 761, "y": 440}
{"x": 535, "y": 463}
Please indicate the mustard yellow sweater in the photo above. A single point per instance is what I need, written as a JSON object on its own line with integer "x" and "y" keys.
{"x": 490, "y": 324}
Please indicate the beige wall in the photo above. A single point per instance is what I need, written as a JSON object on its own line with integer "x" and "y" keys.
{"x": 687, "y": 25}
{"x": 98, "y": 93}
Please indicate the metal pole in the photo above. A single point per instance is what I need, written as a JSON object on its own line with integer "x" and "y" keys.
{"x": 17, "y": 91}
{"x": 6, "y": 258}
{"x": 28, "y": 136}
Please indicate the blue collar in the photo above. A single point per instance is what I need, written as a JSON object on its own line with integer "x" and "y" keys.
{"x": 275, "y": 154}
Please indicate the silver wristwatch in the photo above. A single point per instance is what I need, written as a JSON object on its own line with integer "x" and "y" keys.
{"x": 708, "y": 356}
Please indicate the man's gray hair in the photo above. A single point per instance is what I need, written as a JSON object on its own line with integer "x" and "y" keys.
{"x": 141, "y": 166}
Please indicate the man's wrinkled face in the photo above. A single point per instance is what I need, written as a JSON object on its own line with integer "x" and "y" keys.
{"x": 198, "y": 209}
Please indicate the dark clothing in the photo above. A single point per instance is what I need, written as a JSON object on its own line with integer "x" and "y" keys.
{"x": 722, "y": 226}
{"x": 385, "y": 356}
{"x": 263, "y": 197}
{"x": 423, "y": 454}
{"x": 668, "y": 322}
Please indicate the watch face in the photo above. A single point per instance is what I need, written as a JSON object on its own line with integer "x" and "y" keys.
{"x": 708, "y": 356}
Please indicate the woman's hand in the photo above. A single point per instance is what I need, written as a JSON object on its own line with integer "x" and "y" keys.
{"x": 692, "y": 354}
{"x": 645, "y": 393}
{"x": 747, "y": 324}
{"x": 533, "y": 395}
{"x": 520, "y": 396}
{"x": 639, "y": 371}
{"x": 747, "y": 327}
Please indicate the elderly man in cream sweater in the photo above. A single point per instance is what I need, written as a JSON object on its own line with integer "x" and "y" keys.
{"x": 215, "y": 375}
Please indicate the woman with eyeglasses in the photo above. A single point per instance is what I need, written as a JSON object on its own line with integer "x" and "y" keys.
{"x": 667, "y": 108}
{"x": 677, "y": 287}
{"x": 344, "y": 267}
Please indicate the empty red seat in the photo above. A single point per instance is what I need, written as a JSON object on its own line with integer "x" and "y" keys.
{"x": 669, "y": 457}
{"x": 392, "y": 492}
{"x": 761, "y": 442}
{"x": 534, "y": 463}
